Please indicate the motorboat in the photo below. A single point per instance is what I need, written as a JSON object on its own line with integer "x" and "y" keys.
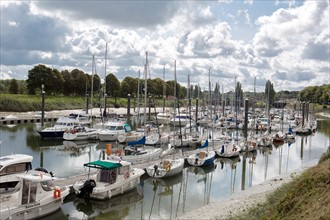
{"x": 37, "y": 197}
{"x": 114, "y": 177}
{"x": 163, "y": 118}
{"x": 79, "y": 133}
{"x": 135, "y": 154}
{"x": 62, "y": 124}
{"x": 14, "y": 164}
{"x": 112, "y": 130}
{"x": 202, "y": 157}
{"x": 166, "y": 168}
{"x": 181, "y": 119}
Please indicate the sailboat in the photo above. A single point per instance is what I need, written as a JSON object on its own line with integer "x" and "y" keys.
{"x": 202, "y": 157}
{"x": 167, "y": 167}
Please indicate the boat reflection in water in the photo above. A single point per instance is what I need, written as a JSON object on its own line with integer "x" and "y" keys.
{"x": 232, "y": 164}
{"x": 117, "y": 207}
{"x": 188, "y": 191}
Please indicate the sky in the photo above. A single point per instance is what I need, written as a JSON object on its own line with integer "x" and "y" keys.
{"x": 284, "y": 41}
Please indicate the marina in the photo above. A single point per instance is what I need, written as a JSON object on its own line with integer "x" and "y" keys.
{"x": 153, "y": 198}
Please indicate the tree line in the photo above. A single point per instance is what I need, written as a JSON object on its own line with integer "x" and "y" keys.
{"x": 79, "y": 83}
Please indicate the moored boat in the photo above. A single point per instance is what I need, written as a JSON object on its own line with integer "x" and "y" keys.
{"x": 114, "y": 177}
{"x": 166, "y": 168}
{"x": 37, "y": 197}
{"x": 202, "y": 157}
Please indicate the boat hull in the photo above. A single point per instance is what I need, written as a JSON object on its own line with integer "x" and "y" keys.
{"x": 104, "y": 191}
{"x": 197, "y": 161}
{"x": 164, "y": 170}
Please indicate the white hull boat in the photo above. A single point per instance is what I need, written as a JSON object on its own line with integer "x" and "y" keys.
{"x": 114, "y": 177}
{"x": 80, "y": 133}
{"x": 37, "y": 197}
{"x": 228, "y": 150}
{"x": 111, "y": 131}
{"x": 166, "y": 168}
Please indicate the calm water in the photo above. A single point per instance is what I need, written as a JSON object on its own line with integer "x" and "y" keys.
{"x": 162, "y": 199}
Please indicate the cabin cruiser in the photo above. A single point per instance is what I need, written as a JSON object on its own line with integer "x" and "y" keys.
{"x": 181, "y": 119}
{"x": 112, "y": 130}
{"x": 62, "y": 124}
{"x": 37, "y": 197}
{"x": 14, "y": 164}
{"x": 114, "y": 177}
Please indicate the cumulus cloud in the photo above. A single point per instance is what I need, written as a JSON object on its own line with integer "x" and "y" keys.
{"x": 121, "y": 13}
{"x": 290, "y": 47}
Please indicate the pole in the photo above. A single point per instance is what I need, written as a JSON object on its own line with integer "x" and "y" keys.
{"x": 128, "y": 108}
{"x": 42, "y": 105}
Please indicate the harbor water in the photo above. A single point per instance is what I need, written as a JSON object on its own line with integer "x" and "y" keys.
{"x": 165, "y": 198}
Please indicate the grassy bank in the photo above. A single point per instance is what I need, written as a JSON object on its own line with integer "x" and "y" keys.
{"x": 306, "y": 197}
{"x": 24, "y": 103}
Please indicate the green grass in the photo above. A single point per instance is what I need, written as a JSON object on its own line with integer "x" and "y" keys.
{"x": 306, "y": 197}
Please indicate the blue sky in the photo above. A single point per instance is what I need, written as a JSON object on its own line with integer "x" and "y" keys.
{"x": 285, "y": 41}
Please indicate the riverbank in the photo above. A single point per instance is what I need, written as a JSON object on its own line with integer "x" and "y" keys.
{"x": 242, "y": 201}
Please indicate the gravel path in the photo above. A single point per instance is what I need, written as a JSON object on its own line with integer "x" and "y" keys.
{"x": 242, "y": 201}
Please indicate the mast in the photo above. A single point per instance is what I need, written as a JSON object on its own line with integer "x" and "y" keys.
{"x": 145, "y": 88}
{"x": 93, "y": 63}
{"x": 105, "y": 80}
{"x": 139, "y": 101}
{"x": 164, "y": 89}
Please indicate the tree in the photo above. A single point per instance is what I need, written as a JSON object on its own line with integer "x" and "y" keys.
{"x": 13, "y": 86}
{"x": 113, "y": 85}
{"x": 128, "y": 86}
{"x": 39, "y": 75}
{"x": 269, "y": 89}
{"x": 157, "y": 87}
{"x": 68, "y": 89}
{"x": 239, "y": 94}
{"x": 78, "y": 81}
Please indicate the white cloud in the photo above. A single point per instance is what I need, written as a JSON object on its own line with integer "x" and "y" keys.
{"x": 287, "y": 48}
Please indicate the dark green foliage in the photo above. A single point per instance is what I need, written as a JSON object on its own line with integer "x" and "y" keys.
{"x": 13, "y": 86}
{"x": 316, "y": 94}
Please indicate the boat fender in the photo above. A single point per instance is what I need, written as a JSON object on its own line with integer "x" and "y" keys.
{"x": 118, "y": 152}
{"x": 168, "y": 167}
{"x": 126, "y": 175}
{"x": 57, "y": 193}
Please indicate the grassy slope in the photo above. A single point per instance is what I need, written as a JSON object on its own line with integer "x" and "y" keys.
{"x": 306, "y": 197}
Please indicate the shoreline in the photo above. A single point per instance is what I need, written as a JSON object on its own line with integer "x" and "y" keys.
{"x": 242, "y": 201}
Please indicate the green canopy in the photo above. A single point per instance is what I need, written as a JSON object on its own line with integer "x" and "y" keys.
{"x": 102, "y": 164}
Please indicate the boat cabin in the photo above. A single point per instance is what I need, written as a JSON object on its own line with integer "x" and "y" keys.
{"x": 109, "y": 171}
{"x": 10, "y": 166}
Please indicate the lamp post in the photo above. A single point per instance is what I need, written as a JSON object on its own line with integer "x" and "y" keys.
{"x": 42, "y": 105}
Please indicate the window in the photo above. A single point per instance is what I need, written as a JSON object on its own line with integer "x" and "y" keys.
{"x": 29, "y": 192}
{"x": 15, "y": 168}
{"x": 47, "y": 185}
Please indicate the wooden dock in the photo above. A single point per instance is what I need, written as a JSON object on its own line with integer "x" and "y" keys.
{"x": 24, "y": 120}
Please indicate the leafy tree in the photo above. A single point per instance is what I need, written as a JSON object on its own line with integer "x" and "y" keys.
{"x": 39, "y": 75}
{"x": 79, "y": 80}
{"x": 58, "y": 82}
{"x": 239, "y": 94}
{"x": 269, "y": 89}
{"x": 113, "y": 85}
{"x": 128, "y": 86}
{"x": 182, "y": 92}
{"x": 170, "y": 88}
{"x": 157, "y": 87}
{"x": 13, "y": 86}
{"x": 68, "y": 89}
